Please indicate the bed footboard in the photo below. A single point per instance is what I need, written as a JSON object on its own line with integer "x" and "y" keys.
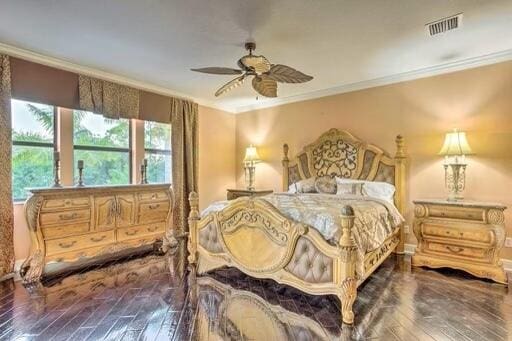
{"x": 253, "y": 236}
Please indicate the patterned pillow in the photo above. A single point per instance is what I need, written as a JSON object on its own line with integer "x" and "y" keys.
{"x": 325, "y": 184}
{"x": 350, "y": 188}
{"x": 303, "y": 186}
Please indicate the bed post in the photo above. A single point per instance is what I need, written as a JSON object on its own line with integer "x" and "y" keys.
{"x": 286, "y": 162}
{"x": 400, "y": 179}
{"x": 193, "y": 218}
{"x": 348, "y": 258}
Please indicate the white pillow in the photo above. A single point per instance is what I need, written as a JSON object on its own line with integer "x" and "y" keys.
{"x": 374, "y": 189}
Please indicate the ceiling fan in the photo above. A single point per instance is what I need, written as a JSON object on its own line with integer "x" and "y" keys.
{"x": 265, "y": 75}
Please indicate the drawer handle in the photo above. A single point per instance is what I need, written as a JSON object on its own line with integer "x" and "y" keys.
{"x": 98, "y": 239}
{"x": 65, "y": 246}
{"x": 154, "y": 206}
{"x": 153, "y": 196}
{"x": 454, "y": 249}
{"x": 68, "y": 216}
{"x": 152, "y": 229}
{"x": 130, "y": 233}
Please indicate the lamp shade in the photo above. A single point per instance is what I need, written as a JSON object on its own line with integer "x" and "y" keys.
{"x": 455, "y": 143}
{"x": 251, "y": 154}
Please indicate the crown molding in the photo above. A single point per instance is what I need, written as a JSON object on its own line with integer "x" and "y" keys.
{"x": 88, "y": 71}
{"x": 464, "y": 64}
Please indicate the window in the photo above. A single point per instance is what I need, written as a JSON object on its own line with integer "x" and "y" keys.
{"x": 104, "y": 146}
{"x": 157, "y": 147}
{"x": 33, "y": 140}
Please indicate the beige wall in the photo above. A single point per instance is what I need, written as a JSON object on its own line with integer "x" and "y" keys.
{"x": 216, "y": 163}
{"x": 478, "y": 101}
{"x": 216, "y": 154}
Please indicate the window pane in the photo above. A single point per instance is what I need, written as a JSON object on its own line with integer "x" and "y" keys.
{"x": 95, "y": 130}
{"x": 32, "y": 122}
{"x": 104, "y": 168}
{"x": 31, "y": 167}
{"x": 157, "y": 135}
{"x": 159, "y": 168}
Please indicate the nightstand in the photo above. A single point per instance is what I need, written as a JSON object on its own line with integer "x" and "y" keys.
{"x": 464, "y": 235}
{"x": 237, "y": 193}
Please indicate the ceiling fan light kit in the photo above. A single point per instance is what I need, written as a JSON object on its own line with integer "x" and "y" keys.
{"x": 265, "y": 75}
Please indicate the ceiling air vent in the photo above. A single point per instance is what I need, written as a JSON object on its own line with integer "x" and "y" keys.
{"x": 444, "y": 25}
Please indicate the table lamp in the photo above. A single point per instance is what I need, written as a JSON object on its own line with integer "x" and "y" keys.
{"x": 454, "y": 149}
{"x": 250, "y": 161}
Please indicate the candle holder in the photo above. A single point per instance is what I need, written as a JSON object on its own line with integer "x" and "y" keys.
{"x": 80, "y": 174}
{"x": 142, "y": 174}
{"x": 56, "y": 173}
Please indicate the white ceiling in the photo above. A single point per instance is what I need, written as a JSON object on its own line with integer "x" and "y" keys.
{"x": 339, "y": 42}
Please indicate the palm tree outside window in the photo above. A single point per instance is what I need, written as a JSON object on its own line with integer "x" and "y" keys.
{"x": 33, "y": 144}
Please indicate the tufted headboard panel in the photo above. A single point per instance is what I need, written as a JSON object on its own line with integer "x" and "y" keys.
{"x": 339, "y": 153}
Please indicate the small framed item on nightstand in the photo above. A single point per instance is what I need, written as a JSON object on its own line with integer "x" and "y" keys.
{"x": 237, "y": 193}
{"x": 464, "y": 235}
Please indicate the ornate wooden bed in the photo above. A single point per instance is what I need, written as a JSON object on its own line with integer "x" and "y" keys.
{"x": 253, "y": 236}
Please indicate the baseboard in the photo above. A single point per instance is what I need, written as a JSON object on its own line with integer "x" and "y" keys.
{"x": 507, "y": 265}
{"x": 17, "y": 267}
{"x": 409, "y": 249}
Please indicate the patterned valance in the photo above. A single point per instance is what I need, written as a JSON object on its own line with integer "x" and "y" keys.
{"x": 109, "y": 99}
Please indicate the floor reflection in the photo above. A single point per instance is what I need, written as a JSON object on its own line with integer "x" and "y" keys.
{"x": 155, "y": 298}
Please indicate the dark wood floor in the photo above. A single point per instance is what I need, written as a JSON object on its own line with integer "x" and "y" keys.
{"x": 150, "y": 298}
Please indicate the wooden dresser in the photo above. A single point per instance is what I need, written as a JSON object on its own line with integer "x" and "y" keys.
{"x": 464, "y": 235}
{"x": 69, "y": 225}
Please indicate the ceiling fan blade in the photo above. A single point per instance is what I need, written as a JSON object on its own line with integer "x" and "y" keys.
{"x": 286, "y": 74}
{"x": 218, "y": 70}
{"x": 265, "y": 86}
{"x": 234, "y": 83}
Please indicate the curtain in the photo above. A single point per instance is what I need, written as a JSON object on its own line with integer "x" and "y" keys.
{"x": 108, "y": 99}
{"x": 6, "y": 209}
{"x": 184, "y": 125}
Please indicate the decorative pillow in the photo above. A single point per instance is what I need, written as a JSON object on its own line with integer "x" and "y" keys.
{"x": 374, "y": 189}
{"x": 349, "y": 188}
{"x": 303, "y": 186}
{"x": 325, "y": 184}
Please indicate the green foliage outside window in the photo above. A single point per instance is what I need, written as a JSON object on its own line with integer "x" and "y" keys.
{"x": 32, "y": 165}
{"x": 157, "y": 143}
{"x": 108, "y": 161}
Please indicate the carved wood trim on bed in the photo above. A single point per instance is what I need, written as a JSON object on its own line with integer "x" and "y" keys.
{"x": 255, "y": 237}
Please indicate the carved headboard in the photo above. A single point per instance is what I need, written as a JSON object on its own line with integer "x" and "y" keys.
{"x": 338, "y": 153}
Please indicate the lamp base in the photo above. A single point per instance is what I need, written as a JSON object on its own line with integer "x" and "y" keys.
{"x": 455, "y": 180}
{"x": 249, "y": 176}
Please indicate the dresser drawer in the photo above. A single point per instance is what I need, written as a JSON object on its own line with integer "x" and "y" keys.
{"x": 140, "y": 231}
{"x": 463, "y": 233}
{"x": 153, "y": 196}
{"x": 52, "y": 204}
{"x": 153, "y": 212}
{"x": 79, "y": 242}
{"x": 458, "y": 251}
{"x": 65, "y": 217}
{"x": 154, "y": 207}
{"x": 65, "y": 230}
{"x": 454, "y": 212}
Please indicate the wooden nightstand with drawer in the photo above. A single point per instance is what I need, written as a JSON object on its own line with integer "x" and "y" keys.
{"x": 464, "y": 235}
{"x": 237, "y": 193}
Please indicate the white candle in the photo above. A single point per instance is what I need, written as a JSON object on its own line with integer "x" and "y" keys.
{"x": 80, "y": 164}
